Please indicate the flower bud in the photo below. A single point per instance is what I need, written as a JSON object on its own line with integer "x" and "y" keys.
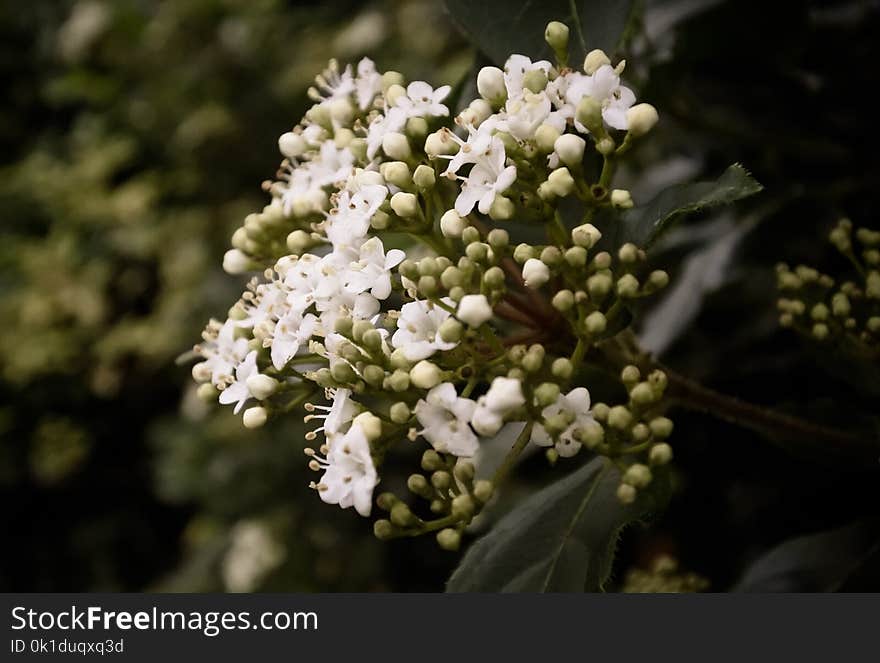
{"x": 621, "y": 198}
{"x": 576, "y": 256}
{"x": 619, "y": 417}
{"x": 370, "y": 424}
{"x": 562, "y": 368}
{"x": 563, "y": 300}
{"x": 254, "y": 417}
{"x": 261, "y": 386}
{"x": 390, "y": 78}
{"x": 237, "y": 262}
{"x": 474, "y": 310}
{"x": 523, "y": 252}
{"x": 556, "y": 35}
{"x": 396, "y": 146}
{"x": 535, "y": 81}
{"x": 405, "y": 205}
{"x": 502, "y": 208}
{"x": 483, "y": 490}
{"x": 425, "y": 375}
{"x": 589, "y": 114}
{"x": 535, "y": 273}
{"x": 560, "y": 182}
{"x": 424, "y": 177}
{"x": 595, "y": 323}
{"x": 393, "y": 93}
{"x": 661, "y": 427}
{"x": 546, "y": 394}
{"x": 490, "y": 85}
{"x": 545, "y": 138}
{"x": 658, "y": 279}
{"x": 417, "y": 128}
{"x": 641, "y": 118}
{"x": 440, "y": 142}
{"x": 399, "y": 413}
{"x": 449, "y": 539}
{"x": 463, "y": 507}
{"x": 660, "y": 454}
{"x": 626, "y": 493}
{"x": 401, "y": 515}
{"x": 383, "y": 529}
{"x": 585, "y": 235}
{"x": 207, "y": 392}
{"x": 396, "y": 173}
{"x": 592, "y": 435}
{"x": 595, "y": 59}
{"x": 464, "y": 471}
{"x": 452, "y": 224}
{"x": 292, "y": 145}
{"x": 637, "y": 475}
{"x": 570, "y": 149}
{"x": 627, "y": 286}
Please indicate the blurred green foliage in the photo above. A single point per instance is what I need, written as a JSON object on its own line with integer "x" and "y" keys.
{"x": 133, "y": 139}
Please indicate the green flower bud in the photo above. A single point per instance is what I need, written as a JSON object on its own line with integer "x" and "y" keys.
{"x": 640, "y": 432}
{"x": 451, "y": 330}
{"x": 586, "y": 235}
{"x": 342, "y": 373}
{"x": 551, "y": 455}
{"x": 425, "y": 375}
{"x": 562, "y": 368}
{"x": 374, "y": 375}
{"x": 599, "y": 285}
{"x": 551, "y": 256}
{"x": 661, "y": 427}
{"x": 463, "y": 507}
{"x": 589, "y": 113}
{"x": 628, "y": 253}
{"x": 626, "y": 493}
{"x": 396, "y": 146}
{"x": 873, "y": 324}
{"x": 595, "y": 323}
{"x": 556, "y": 35}
{"x": 207, "y": 392}
{"x": 563, "y": 300}
{"x": 452, "y": 224}
{"x": 658, "y": 279}
{"x": 483, "y": 490}
{"x": 431, "y": 461}
{"x": 477, "y": 251}
{"x": 820, "y": 331}
{"x": 546, "y": 394}
{"x": 457, "y": 293}
{"x": 441, "y": 480}
{"x": 502, "y": 208}
{"x": 424, "y": 177}
{"x": 397, "y": 173}
{"x": 391, "y": 78}
{"x": 523, "y": 252}
{"x": 532, "y": 362}
{"x": 630, "y": 375}
{"x": 386, "y": 501}
{"x": 592, "y": 435}
{"x": 627, "y": 286}
{"x": 383, "y": 529}
{"x": 402, "y": 516}
{"x": 819, "y": 312}
{"x": 464, "y": 471}
{"x": 660, "y": 454}
{"x": 428, "y": 286}
{"x": 546, "y": 137}
{"x": 576, "y": 256}
{"x": 494, "y": 278}
{"x": 642, "y": 394}
{"x": 417, "y": 129}
{"x": 637, "y": 475}
{"x": 418, "y": 485}
{"x": 449, "y": 539}
{"x": 380, "y": 220}
{"x": 601, "y": 412}
{"x": 658, "y": 381}
{"x": 619, "y": 417}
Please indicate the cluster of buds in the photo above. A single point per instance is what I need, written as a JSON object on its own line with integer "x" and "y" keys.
{"x": 830, "y": 309}
{"x": 460, "y": 329}
{"x": 664, "y": 577}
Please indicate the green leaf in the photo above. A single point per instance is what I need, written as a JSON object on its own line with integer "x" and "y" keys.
{"x": 821, "y": 562}
{"x": 644, "y": 225}
{"x": 499, "y": 28}
{"x": 561, "y": 539}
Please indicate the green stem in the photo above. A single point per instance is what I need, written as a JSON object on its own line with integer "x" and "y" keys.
{"x": 512, "y": 455}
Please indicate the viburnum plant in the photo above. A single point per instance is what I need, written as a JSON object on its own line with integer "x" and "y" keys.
{"x": 444, "y": 280}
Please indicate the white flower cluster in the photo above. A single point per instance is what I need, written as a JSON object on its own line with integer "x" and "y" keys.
{"x": 339, "y": 310}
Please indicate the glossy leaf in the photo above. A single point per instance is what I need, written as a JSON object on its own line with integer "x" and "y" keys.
{"x": 561, "y": 539}
{"x": 499, "y": 28}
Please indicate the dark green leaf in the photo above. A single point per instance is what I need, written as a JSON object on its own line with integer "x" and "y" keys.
{"x": 644, "y": 225}
{"x": 499, "y": 28}
{"x": 815, "y": 563}
{"x": 561, "y": 539}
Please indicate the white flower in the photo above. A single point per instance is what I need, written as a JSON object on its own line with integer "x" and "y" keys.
{"x": 422, "y": 100}
{"x": 515, "y": 69}
{"x": 504, "y": 396}
{"x": 474, "y": 310}
{"x": 418, "y": 329}
{"x": 348, "y": 224}
{"x": 528, "y": 112}
{"x": 535, "y": 273}
{"x": 575, "y": 406}
{"x": 445, "y": 418}
{"x": 223, "y": 351}
{"x": 372, "y": 271}
{"x": 349, "y": 473}
{"x": 291, "y": 332}
{"x": 367, "y": 84}
{"x": 487, "y": 179}
{"x": 238, "y": 391}
{"x": 604, "y": 86}
{"x": 338, "y": 415}
{"x": 393, "y": 121}
{"x": 333, "y": 85}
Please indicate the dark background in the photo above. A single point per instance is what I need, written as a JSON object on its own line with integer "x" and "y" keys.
{"x": 133, "y": 139}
